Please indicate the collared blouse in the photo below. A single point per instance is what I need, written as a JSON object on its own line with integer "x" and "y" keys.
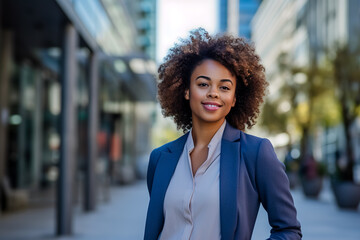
{"x": 192, "y": 203}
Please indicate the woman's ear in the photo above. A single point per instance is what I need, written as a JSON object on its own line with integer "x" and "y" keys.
{"x": 187, "y": 97}
{"x": 234, "y": 101}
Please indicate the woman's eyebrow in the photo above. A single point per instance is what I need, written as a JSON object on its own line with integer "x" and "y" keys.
{"x": 209, "y": 79}
{"x": 227, "y": 80}
{"x": 201, "y": 76}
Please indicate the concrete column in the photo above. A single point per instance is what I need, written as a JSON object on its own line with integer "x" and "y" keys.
{"x": 90, "y": 167}
{"x": 23, "y": 137}
{"x": 233, "y": 17}
{"x": 1, "y": 27}
{"x": 6, "y": 48}
{"x": 143, "y": 128}
{"x": 38, "y": 129}
{"x": 68, "y": 133}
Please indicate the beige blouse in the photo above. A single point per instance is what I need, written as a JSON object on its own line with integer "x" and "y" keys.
{"x": 192, "y": 203}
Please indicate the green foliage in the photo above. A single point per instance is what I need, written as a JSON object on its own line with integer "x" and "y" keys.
{"x": 310, "y": 93}
{"x": 346, "y": 65}
{"x": 272, "y": 119}
{"x": 345, "y": 61}
{"x": 322, "y": 93}
{"x": 327, "y": 110}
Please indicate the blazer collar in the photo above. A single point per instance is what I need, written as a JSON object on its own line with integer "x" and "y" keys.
{"x": 231, "y": 134}
{"x": 229, "y": 169}
{"x": 165, "y": 168}
{"x": 177, "y": 145}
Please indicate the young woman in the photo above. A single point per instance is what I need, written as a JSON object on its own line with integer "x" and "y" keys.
{"x": 209, "y": 183}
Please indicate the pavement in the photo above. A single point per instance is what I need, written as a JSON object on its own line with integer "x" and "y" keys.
{"x": 123, "y": 218}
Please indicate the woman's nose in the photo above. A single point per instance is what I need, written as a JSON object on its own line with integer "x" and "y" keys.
{"x": 213, "y": 93}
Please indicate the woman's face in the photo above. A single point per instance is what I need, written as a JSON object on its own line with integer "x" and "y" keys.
{"x": 211, "y": 93}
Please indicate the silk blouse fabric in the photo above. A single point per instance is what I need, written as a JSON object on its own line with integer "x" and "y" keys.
{"x": 250, "y": 174}
{"x": 192, "y": 204}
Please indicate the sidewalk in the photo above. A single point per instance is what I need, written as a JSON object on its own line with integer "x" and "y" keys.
{"x": 320, "y": 219}
{"x": 123, "y": 218}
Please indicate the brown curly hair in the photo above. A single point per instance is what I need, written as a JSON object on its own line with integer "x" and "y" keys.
{"x": 235, "y": 54}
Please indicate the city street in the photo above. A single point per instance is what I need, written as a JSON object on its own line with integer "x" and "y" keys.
{"x": 89, "y": 88}
{"x": 124, "y": 218}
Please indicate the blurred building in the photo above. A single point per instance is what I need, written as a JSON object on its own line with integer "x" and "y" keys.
{"x": 143, "y": 13}
{"x": 236, "y": 15}
{"x": 303, "y": 31}
{"x": 274, "y": 32}
{"x": 77, "y": 99}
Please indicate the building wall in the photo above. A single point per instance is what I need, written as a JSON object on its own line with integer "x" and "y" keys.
{"x": 273, "y": 32}
{"x": 235, "y": 16}
{"x": 33, "y": 106}
{"x": 304, "y": 30}
{"x": 247, "y": 10}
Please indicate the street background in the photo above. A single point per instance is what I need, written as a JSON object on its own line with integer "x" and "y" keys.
{"x": 79, "y": 114}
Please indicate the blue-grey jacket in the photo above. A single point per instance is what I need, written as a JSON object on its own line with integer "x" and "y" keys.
{"x": 250, "y": 174}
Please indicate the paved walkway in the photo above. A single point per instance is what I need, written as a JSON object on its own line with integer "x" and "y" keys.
{"x": 123, "y": 218}
{"x": 320, "y": 219}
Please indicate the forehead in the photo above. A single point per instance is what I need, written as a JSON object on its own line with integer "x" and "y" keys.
{"x": 212, "y": 69}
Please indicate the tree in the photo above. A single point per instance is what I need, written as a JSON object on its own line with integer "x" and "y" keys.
{"x": 304, "y": 88}
{"x": 346, "y": 65}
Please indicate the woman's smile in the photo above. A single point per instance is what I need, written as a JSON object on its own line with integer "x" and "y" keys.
{"x": 211, "y": 106}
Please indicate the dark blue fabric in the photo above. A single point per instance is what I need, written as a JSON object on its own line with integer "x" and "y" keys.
{"x": 250, "y": 174}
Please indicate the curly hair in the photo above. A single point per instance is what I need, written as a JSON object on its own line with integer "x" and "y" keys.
{"x": 235, "y": 54}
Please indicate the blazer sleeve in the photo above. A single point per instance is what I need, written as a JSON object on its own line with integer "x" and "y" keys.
{"x": 275, "y": 196}
{"x": 154, "y": 157}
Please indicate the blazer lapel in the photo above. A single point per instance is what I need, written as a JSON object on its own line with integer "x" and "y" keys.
{"x": 229, "y": 169}
{"x": 164, "y": 171}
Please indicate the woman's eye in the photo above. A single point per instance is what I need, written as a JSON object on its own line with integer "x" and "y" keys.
{"x": 225, "y": 88}
{"x": 202, "y": 84}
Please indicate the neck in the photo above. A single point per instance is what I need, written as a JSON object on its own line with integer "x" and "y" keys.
{"x": 202, "y": 133}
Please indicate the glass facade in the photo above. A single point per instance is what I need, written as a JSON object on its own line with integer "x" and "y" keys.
{"x": 33, "y": 104}
{"x": 223, "y": 15}
{"x": 247, "y": 9}
{"x": 33, "y": 132}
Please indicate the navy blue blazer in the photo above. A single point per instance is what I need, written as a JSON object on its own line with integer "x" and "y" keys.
{"x": 250, "y": 174}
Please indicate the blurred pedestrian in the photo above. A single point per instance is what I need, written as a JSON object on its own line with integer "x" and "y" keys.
{"x": 309, "y": 167}
{"x": 209, "y": 183}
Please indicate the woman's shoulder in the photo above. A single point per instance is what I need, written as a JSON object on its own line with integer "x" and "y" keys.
{"x": 257, "y": 148}
{"x": 254, "y": 141}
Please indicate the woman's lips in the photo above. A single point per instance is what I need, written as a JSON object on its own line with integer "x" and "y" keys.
{"x": 211, "y": 106}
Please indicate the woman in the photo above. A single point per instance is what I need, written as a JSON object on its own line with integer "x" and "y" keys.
{"x": 209, "y": 183}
